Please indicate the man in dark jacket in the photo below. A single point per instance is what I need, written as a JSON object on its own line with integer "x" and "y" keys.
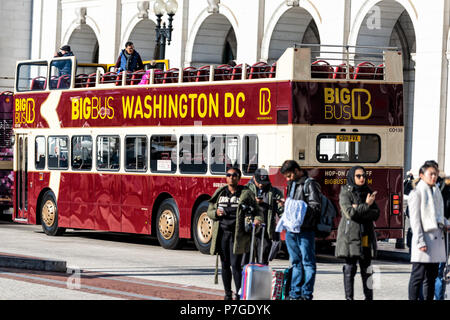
{"x": 129, "y": 59}
{"x": 267, "y": 199}
{"x": 64, "y": 66}
{"x": 301, "y": 246}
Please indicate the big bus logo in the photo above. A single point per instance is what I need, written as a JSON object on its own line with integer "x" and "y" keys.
{"x": 24, "y": 111}
{"x": 265, "y": 105}
{"x": 346, "y": 104}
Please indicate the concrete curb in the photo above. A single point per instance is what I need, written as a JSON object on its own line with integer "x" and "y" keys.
{"x": 32, "y": 263}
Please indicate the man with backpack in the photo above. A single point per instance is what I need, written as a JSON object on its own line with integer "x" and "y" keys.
{"x": 300, "y": 240}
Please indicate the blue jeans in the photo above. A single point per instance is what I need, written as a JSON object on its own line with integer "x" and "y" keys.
{"x": 439, "y": 285}
{"x": 302, "y": 255}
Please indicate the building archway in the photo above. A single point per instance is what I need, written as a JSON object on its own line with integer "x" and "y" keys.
{"x": 295, "y": 26}
{"x": 388, "y": 24}
{"x": 143, "y": 37}
{"x": 215, "y": 42}
{"x": 84, "y": 44}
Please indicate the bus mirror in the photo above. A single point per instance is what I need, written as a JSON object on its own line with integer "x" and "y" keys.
{"x": 13, "y": 140}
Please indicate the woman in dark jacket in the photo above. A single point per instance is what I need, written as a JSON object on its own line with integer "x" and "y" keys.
{"x": 356, "y": 236}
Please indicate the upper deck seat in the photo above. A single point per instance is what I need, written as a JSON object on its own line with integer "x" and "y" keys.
{"x": 273, "y": 70}
{"x": 136, "y": 77}
{"x": 340, "y": 72}
{"x": 379, "y": 72}
{"x": 202, "y": 74}
{"x": 171, "y": 75}
{"x": 321, "y": 69}
{"x": 63, "y": 82}
{"x": 81, "y": 80}
{"x": 120, "y": 76}
{"x": 90, "y": 82}
{"x": 189, "y": 74}
{"x": 237, "y": 72}
{"x": 159, "y": 76}
{"x": 259, "y": 70}
{"x": 38, "y": 83}
{"x": 109, "y": 77}
{"x": 222, "y": 72}
{"x": 365, "y": 70}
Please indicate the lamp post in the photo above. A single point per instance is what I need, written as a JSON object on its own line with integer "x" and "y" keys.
{"x": 163, "y": 33}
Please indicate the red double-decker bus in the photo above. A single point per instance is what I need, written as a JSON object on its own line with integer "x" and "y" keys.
{"x": 143, "y": 152}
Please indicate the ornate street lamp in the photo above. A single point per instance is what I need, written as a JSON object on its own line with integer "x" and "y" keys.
{"x": 163, "y": 33}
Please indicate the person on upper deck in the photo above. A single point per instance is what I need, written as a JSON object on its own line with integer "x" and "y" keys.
{"x": 129, "y": 59}
{"x": 64, "y": 66}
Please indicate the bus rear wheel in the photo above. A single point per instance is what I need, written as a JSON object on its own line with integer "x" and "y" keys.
{"x": 167, "y": 222}
{"x": 202, "y": 228}
{"x": 49, "y": 215}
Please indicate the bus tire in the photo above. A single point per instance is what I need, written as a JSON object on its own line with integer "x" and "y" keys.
{"x": 49, "y": 215}
{"x": 167, "y": 225}
{"x": 202, "y": 228}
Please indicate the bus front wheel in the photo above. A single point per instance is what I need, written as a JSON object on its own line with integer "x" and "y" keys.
{"x": 49, "y": 215}
{"x": 167, "y": 221}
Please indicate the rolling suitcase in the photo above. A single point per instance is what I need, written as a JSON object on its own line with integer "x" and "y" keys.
{"x": 256, "y": 278}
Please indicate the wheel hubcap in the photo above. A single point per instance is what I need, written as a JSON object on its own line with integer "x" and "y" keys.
{"x": 167, "y": 224}
{"x": 204, "y": 228}
{"x": 49, "y": 213}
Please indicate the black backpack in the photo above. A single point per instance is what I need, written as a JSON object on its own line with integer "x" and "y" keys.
{"x": 327, "y": 214}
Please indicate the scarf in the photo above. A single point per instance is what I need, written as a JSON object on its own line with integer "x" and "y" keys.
{"x": 431, "y": 206}
{"x": 360, "y": 191}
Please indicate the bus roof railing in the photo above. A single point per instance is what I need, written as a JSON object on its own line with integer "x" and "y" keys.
{"x": 300, "y": 63}
{"x": 349, "y": 62}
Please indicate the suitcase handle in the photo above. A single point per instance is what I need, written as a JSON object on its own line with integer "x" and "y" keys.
{"x": 253, "y": 242}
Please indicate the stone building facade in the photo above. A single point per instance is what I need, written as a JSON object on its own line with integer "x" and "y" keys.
{"x": 216, "y": 31}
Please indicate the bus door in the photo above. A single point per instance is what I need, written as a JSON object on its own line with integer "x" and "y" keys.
{"x": 21, "y": 181}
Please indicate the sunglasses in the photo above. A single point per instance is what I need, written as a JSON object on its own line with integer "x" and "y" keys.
{"x": 234, "y": 175}
{"x": 359, "y": 176}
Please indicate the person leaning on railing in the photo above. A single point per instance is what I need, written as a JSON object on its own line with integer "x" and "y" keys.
{"x": 129, "y": 59}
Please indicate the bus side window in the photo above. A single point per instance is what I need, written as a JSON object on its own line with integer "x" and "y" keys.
{"x": 224, "y": 153}
{"x": 81, "y": 153}
{"x": 163, "y": 153}
{"x": 108, "y": 153}
{"x": 58, "y": 155}
{"x": 136, "y": 153}
{"x": 193, "y": 154}
{"x": 250, "y": 154}
{"x": 39, "y": 153}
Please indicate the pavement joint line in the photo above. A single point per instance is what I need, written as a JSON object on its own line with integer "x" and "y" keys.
{"x": 104, "y": 290}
